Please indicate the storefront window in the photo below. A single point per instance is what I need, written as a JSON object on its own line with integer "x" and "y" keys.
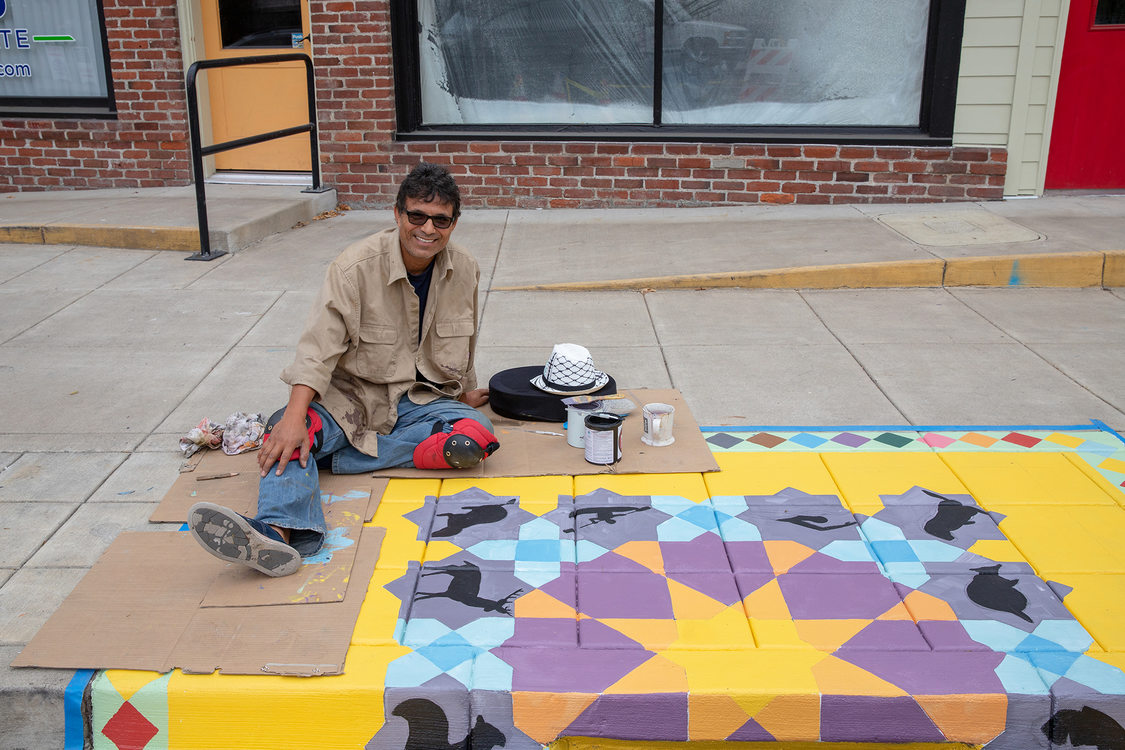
{"x": 723, "y": 62}
{"x": 259, "y": 23}
{"x": 53, "y": 57}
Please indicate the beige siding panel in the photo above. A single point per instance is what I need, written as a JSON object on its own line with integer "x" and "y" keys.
{"x": 985, "y": 90}
{"x": 1029, "y": 178}
{"x": 1040, "y": 89}
{"x": 992, "y": 32}
{"x": 989, "y": 61}
{"x": 979, "y": 139}
{"x": 1044, "y": 61}
{"x": 1036, "y": 118}
{"x": 993, "y": 8}
{"x": 1033, "y": 146}
{"x": 1048, "y": 29}
{"x": 983, "y": 118}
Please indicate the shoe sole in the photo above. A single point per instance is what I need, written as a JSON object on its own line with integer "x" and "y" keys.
{"x": 228, "y": 536}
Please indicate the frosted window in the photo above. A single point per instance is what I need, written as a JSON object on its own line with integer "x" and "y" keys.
{"x": 724, "y": 62}
{"x": 51, "y": 49}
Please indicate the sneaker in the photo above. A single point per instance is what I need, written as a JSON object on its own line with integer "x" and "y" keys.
{"x": 233, "y": 537}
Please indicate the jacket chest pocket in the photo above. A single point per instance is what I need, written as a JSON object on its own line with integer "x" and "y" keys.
{"x": 375, "y": 354}
{"x": 451, "y": 345}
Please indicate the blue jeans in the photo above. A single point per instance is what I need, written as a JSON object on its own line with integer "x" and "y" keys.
{"x": 292, "y": 500}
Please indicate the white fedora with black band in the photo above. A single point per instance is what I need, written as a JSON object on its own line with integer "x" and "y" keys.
{"x": 570, "y": 371}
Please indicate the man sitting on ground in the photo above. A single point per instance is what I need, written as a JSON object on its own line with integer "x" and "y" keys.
{"x": 383, "y": 377}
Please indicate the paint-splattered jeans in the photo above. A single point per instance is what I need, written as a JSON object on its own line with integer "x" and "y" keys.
{"x": 292, "y": 500}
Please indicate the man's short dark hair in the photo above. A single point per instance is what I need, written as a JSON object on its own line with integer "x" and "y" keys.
{"x": 428, "y": 182}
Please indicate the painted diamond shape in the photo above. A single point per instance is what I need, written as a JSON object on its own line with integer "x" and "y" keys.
{"x": 128, "y": 729}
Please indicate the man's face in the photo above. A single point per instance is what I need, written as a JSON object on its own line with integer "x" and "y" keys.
{"x": 420, "y": 243}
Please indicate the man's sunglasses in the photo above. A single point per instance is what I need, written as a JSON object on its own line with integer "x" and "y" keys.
{"x": 418, "y": 219}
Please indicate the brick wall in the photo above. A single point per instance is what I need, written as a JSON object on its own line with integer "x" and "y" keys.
{"x": 607, "y": 175}
{"x": 146, "y": 146}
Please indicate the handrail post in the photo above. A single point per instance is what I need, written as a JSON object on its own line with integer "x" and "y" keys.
{"x": 197, "y": 171}
{"x": 198, "y": 150}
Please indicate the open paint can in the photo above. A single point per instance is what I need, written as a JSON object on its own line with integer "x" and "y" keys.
{"x": 603, "y": 438}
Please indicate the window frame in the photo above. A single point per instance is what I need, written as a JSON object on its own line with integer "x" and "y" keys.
{"x": 938, "y": 101}
{"x": 69, "y": 107}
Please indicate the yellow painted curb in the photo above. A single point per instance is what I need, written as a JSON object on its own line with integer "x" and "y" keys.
{"x": 1077, "y": 269}
{"x": 142, "y": 238}
{"x": 853, "y": 275}
{"x": 21, "y": 235}
{"x": 1053, "y": 269}
{"x": 1114, "y": 273}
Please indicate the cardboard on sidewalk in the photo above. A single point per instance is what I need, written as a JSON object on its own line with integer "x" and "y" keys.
{"x": 525, "y": 451}
{"x": 206, "y": 479}
{"x": 142, "y": 607}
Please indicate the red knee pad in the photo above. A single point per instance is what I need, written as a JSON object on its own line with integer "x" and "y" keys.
{"x": 474, "y": 429}
{"x": 312, "y": 422}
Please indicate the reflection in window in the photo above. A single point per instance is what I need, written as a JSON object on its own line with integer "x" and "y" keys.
{"x": 1110, "y": 13}
{"x": 259, "y": 23}
{"x": 723, "y": 62}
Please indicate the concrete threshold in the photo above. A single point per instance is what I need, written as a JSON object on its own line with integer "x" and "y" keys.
{"x": 1077, "y": 269}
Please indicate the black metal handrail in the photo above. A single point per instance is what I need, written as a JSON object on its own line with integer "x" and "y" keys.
{"x": 198, "y": 150}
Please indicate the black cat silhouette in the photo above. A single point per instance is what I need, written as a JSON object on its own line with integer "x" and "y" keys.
{"x": 464, "y": 587}
{"x": 989, "y": 589}
{"x": 429, "y": 728}
{"x": 474, "y": 516}
{"x": 1088, "y": 727}
{"x": 951, "y": 515}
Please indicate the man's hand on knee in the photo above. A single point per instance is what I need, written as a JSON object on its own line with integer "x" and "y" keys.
{"x": 288, "y": 436}
{"x": 476, "y": 398}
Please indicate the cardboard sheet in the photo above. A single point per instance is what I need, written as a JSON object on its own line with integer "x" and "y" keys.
{"x": 140, "y": 607}
{"x": 240, "y": 493}
{"x": 526, "y": 452}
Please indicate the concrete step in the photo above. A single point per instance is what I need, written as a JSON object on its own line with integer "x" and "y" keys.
{"x": 158, "y": 218}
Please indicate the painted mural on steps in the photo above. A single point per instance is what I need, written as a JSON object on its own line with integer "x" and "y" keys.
{"x": 618, "y": 616}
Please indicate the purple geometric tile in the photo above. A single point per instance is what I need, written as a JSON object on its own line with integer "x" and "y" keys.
{"x": 889, "y": 635}
{"x": 837, "y": 597}
{"x": 594, "y": 634}
{"x": 860, "y": 718}
{"x": 703, "y": 554}
{"x": 569, "y": 670}
{"x": 850, "y": 439}
{"x": 749, "y": 557}
{"x": 748, "y": 583}
{"x": 627, "y": 595}
{"x": 751, "y": 731}
{"x": 653, "y": 716}
{"x": 933, "y": 672}
{"x": 544, "y": 631}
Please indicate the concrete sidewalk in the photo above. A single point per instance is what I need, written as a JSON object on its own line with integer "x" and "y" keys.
{"x": 108, "y": 355}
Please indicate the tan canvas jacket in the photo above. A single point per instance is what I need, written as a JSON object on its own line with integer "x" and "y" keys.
{"x": 360, "y": 347}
